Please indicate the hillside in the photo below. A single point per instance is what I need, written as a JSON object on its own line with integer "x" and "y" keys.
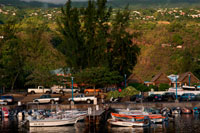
{"x": 169, "y": 38}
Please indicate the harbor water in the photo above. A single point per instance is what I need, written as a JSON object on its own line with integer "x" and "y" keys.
{"x": 187, "y": 123}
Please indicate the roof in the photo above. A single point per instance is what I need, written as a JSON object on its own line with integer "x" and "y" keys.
{"x": 183, "y": 75}
{"x": 133, "y": 78}
{"x": 157, "y": 76}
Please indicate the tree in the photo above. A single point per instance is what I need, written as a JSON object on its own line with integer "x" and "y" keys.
{"x": 177, "y": 39}
{"x": 11, "y": 55}
{"x": 92, "y": 39}
{"x": 122, "y": 52}
{"x": 97, "y": 76}
{"x": 84, "y": 33}
{"x": 42, "y": 58}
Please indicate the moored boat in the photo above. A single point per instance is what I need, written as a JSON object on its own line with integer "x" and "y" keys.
{"x": 186, "y": 111}
{"x": 176, "y": 110}
{"x": 129, "y": 123}
{"x": 155, "y": 118}
{"x": 52, "y": 122}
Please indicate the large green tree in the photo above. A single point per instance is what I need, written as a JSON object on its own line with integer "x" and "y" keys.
{"x": 11, "y": 55}
{"x": 92, "y": 39}
{"x": 97, "y": 76}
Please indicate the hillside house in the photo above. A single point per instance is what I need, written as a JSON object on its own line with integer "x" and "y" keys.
{"x": 187, "y": 78}
{"x": 133, "y": 78}
{"x": 160, "y": 78}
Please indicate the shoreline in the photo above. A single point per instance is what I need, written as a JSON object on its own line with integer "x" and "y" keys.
{"x": 122, "y": 105}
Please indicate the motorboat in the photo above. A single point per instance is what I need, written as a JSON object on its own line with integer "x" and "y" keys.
{"x": 129, "y": 123}
{"x": 176, "y": 110}
{"x": 50, "y": 122}
{"x": 186, "y": 110}
{"x": 4, "y": 112}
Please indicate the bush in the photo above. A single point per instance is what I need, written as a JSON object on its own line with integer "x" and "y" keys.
{"x": 155, "y": 88}
{"x": 140, "y": 87}
{"x": 128, "y": 91}
{"x": 163, "y": 87}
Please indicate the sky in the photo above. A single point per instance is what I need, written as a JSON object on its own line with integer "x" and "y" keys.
{"x": 53, "y": 1}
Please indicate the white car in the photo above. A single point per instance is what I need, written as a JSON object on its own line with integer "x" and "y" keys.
{"x": 82, "y": 98}
{"x": 65, "y": 90}
{"x": 40, "y": 89}
{"x": 46, "y": 99}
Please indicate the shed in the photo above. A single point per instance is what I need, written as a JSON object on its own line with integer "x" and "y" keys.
{"x": 160, "y": 78}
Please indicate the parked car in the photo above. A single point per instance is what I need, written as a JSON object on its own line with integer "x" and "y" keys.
{"x": 7, "y": 99}
{"x": 136, "y": 98}
{"x": 154, "y": 97}
{"x": 65, "y": 90}
{"x": 187, "y": 97}
{"x": 40, "y": 89}
{"x": 46, "y": 99}
{"x": 197, "y": 97}
{"x": 91, "y": 90}
{"x": 168, "y": 96}
{"x": 82, "y": 98}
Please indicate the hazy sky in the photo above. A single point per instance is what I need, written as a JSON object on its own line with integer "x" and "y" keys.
{"x": 53, "y": 1}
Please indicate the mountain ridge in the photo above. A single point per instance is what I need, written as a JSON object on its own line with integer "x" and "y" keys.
{"x": 113, "y": 3}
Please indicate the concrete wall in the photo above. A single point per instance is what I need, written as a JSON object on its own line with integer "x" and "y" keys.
{"x": 113, "y": 105}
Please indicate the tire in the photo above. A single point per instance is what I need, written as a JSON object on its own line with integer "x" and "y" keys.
{"x": 6, "y": 102}
{"x": 36, "y": 101}
{"x": 88, "y": 101}
{"x": 170, "y": 99}
{"x": 52, "y": 102}
{"x": 61, "y": 92}
{"x": 32, "y": 92}
{"x": 47, "y": 92}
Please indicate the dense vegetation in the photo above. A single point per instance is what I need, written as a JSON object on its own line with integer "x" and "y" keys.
{"x": 32, "y": 43}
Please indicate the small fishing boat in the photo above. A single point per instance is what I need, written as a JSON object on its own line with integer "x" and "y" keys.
{"x": 4, "y": 112}
{"x": 176, "y": 110}
{"x": 129, "y": 123}
{"x": 52, "y": 122}
{"x": 186, "y": 111}
{"x": 155, "y": 118}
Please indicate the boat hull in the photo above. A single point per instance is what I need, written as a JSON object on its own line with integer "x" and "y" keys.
{"x": 127, "y": 123}
{"x": 51, "y": 123}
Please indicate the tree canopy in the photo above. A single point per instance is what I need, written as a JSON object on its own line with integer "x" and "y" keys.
{"x": 92, "y": 39}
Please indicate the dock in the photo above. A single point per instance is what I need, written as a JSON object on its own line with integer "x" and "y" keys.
{"x": 94, "y": 116}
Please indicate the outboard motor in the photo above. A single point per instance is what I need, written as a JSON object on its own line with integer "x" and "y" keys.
{"x": 166, "y": 112}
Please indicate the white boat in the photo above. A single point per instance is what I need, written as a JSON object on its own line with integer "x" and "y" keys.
{"x": 52, "y": 122}
{"x": 155, "y": 118}
{"x": 128, "y": 123}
